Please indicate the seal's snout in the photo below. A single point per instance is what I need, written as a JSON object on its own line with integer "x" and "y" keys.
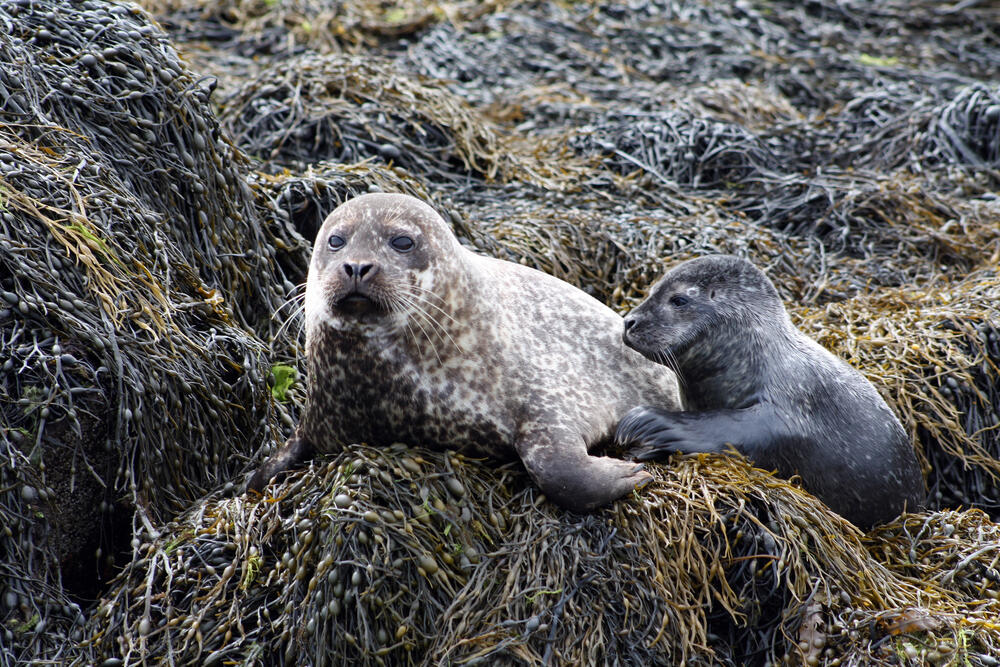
{"x": 359, "y": 294}
{"x": 360, "y": 272}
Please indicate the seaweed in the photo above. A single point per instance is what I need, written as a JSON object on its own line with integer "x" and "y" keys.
{"x": 134, "y": 378}
{"x": 413, "y": 556}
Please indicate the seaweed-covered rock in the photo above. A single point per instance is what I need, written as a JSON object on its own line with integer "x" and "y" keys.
{"x": 324, "y": 26}
{"x": 409, "y": 556}
{"x": 687, "y": 151}
{"x": 134, "y": 280}
{"x": 149, "y": 281}
{"x": 918, "y": 130}
{"x": 955, "y": 549}
{"x": 818, "y": 55}
{"x": 615, "y": 250}
{"x": 892, "y": 225}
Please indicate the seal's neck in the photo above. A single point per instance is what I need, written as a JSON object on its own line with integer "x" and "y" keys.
{"x": 440, "y": 311}
{"x": 726, "y": 367}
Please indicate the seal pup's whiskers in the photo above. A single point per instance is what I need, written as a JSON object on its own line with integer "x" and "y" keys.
{"x": 667, "y": 358}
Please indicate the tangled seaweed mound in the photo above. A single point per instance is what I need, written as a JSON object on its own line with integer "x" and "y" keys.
{"x": 945, "y": 549}
{"x": 346, "y": 109}
{"x": 147, "y": 279}
{"x": 343, "y": 109}
{"x": 680, "y": 149}
{"x": 323, "y": 25}
{"x": 410, "y": 556}
{"x": 134, "y": 368}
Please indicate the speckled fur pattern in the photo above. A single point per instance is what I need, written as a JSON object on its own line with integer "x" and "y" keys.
{"x": 753, "y": 382}
{"x": 458, "y": 350}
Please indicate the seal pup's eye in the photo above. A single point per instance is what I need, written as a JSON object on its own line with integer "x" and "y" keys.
{"x": 679, "y": 300}
{"x": 336, "y": 242}
{"x": 402, "y": 243}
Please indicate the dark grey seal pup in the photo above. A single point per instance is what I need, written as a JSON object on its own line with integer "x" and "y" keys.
{"x": 411, "y": 337}
{"x": 753, "y": 382}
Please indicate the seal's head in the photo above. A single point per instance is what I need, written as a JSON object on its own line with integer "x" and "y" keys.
{"x": 696, "y": 300}
{"x": 376, "y": 258}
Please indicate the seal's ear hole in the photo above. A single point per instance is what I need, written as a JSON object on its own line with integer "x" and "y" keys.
{"x": 711, "y": 293}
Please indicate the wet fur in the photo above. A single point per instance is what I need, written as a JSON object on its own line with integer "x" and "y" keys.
{"x": 754, "y": 383}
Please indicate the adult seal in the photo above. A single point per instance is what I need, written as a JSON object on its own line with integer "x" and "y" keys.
{"x": 753, "y": 382}
{"x": 410, "y": 337}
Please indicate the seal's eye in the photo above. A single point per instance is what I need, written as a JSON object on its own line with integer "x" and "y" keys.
{"x": 402, "y": 243}
{"x": 336, "y": 242}
{"x": 679, "y": 300}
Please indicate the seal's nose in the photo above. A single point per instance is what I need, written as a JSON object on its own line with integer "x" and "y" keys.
{"x": 629, "y": 323}
{"x": 359, "y": 272}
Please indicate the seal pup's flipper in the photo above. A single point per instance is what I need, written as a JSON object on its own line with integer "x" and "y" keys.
{"x": 290, "y": 456}
{"x": 757, "y": 432}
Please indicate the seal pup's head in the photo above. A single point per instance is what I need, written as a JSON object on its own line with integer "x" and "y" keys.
{"x": 378, "y": 260}
{"x": 701, "y": 306}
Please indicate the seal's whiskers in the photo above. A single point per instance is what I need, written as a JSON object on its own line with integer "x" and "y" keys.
{"x": 295, "y": 315}
{"x": 400, "y": 302}
{"x": 414, "y": 304}
{"x": 667, "y": 358}
{"x": 422, "y": 293}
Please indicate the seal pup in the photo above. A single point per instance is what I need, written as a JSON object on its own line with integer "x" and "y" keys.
{"x": 410, "y": 337}
{"x": 754, "y": 382}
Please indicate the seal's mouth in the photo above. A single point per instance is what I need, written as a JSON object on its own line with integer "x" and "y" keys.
{"x": 643, "y": 347}
{"x": 629, "y": 337}
{"x": 637, "y": 338}
{"x": 357, "y": 304}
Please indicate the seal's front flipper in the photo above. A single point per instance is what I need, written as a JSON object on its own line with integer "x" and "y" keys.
{"x": 293, "y": 453}
{"x": 572, "y": 478}
{"x": 653, "y": 433}
{"x": 649, "y": 427}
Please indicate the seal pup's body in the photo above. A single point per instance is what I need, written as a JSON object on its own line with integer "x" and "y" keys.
{"x": 754, "y": 382}
{"x": 411, "y": 337}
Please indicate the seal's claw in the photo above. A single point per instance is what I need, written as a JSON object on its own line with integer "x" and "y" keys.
{"x": 644, "y": 479}
{"x": 642, "y": 454}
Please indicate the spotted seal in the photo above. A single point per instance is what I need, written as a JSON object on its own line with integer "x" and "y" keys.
{"x": 753, "y": 381}
{"x": 410, "y": 337}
